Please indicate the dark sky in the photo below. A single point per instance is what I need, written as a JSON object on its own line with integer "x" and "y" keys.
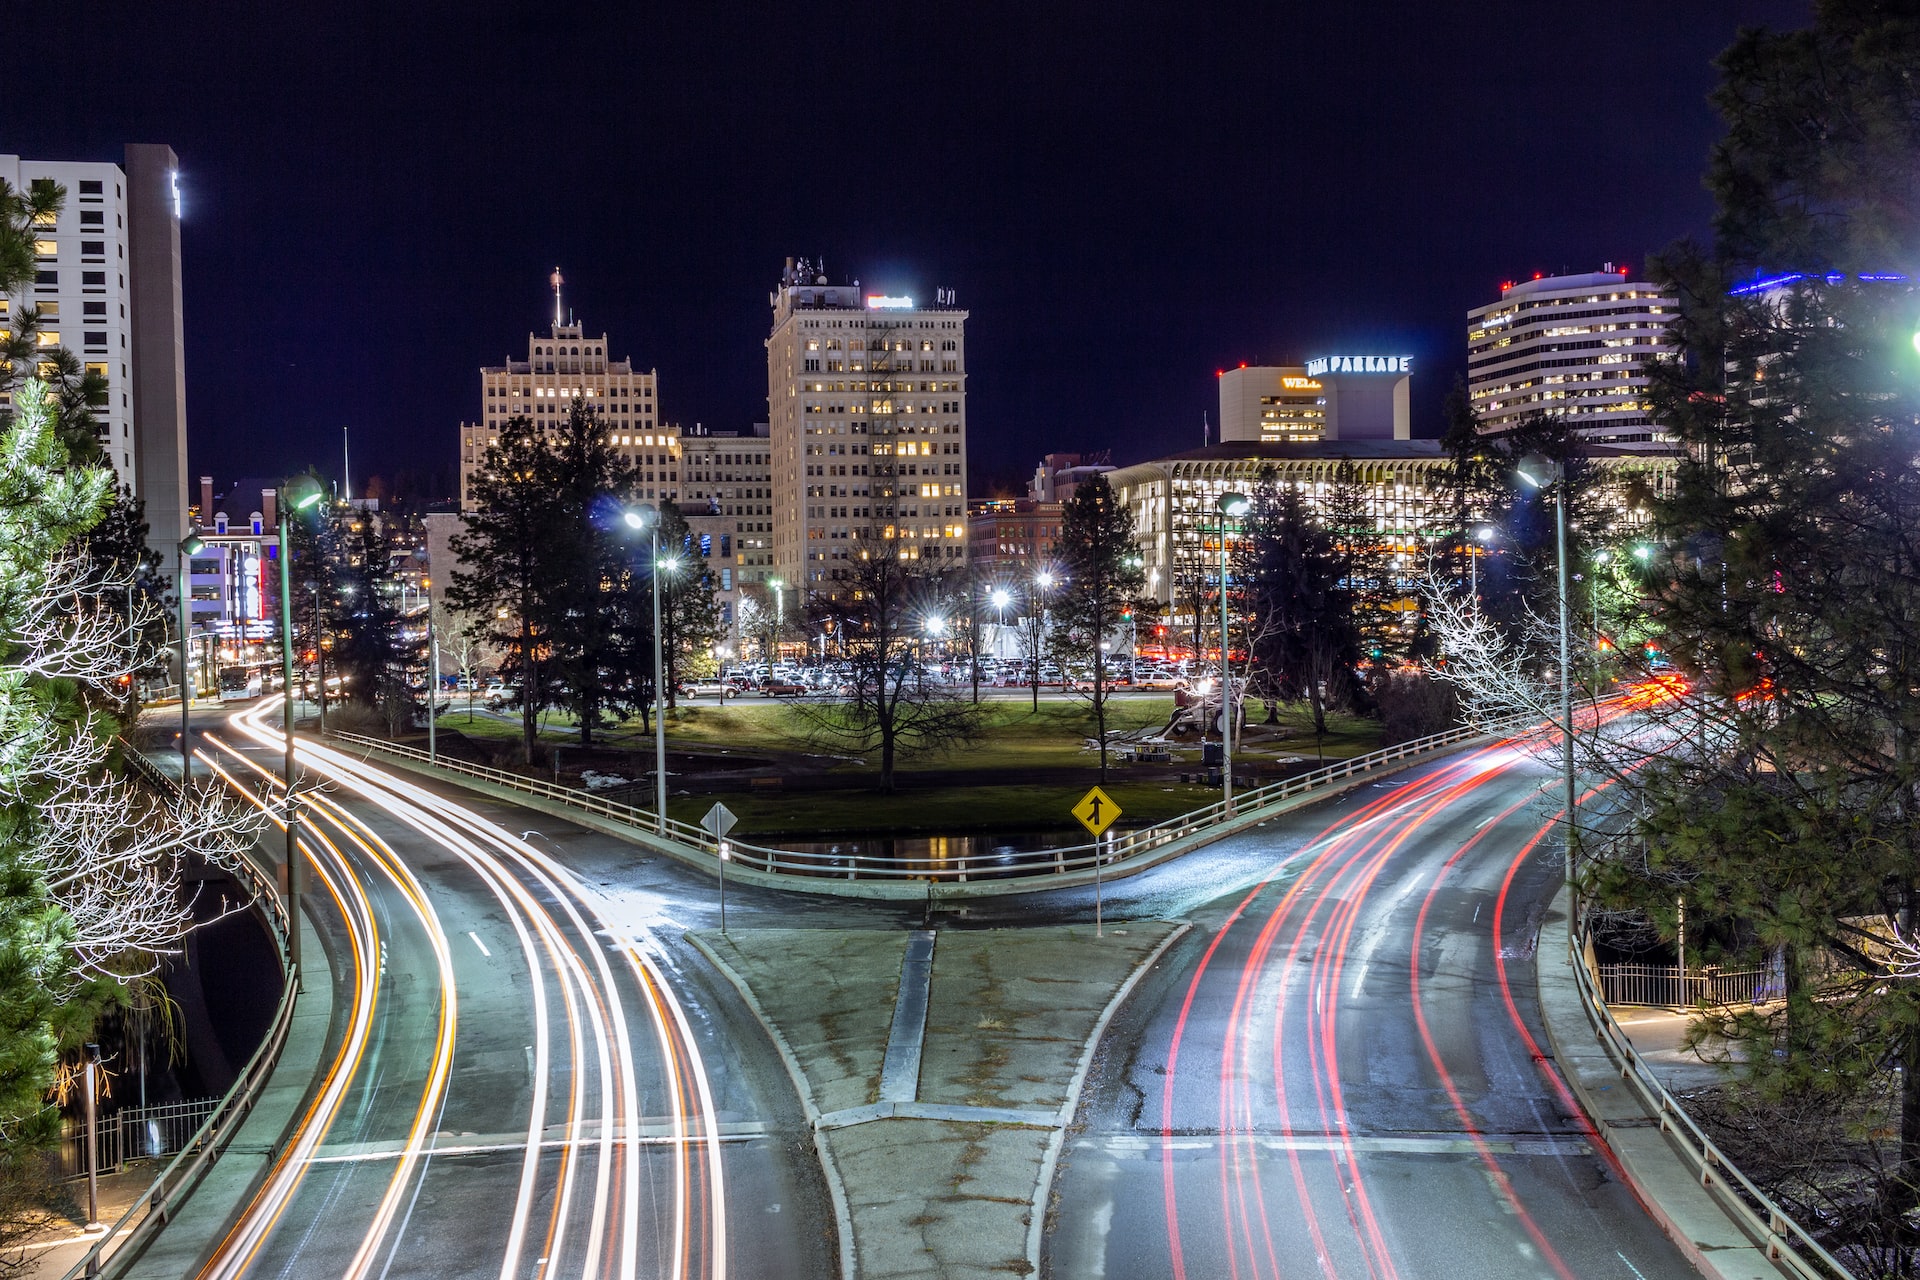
{"x": 1127, "y": 198}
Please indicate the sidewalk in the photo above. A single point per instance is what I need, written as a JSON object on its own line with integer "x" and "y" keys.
{"x": 1660, "y": 1176}
{"x": 940, "y": 1072}
{"x": 204, "y": 1217}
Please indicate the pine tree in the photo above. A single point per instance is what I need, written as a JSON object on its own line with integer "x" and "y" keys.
{"x": 1303, "y": 631}
{"x": 689, "y": 612}
{"x": 1102, "y": 583}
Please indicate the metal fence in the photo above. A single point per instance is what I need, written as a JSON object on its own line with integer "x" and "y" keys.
{"x": 1664, "y": 986}
{"x": 136, "y": 1133}
{"x": 198, "y": 1148}
{"x": 1118, "y": 847}
{"x": 1784, "y": 1240}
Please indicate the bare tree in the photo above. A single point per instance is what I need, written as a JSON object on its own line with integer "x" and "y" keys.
{"x": 890, "y": 707}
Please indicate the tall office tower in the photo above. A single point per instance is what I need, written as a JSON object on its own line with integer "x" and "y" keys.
{"x": 107, "y": 288}
{"x": 1576, "y": 347}
{"x": 561, "y": 365}
{"x": 867, "y": 400}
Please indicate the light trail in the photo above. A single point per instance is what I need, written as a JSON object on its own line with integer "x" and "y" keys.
{"x": 564, "y": 930}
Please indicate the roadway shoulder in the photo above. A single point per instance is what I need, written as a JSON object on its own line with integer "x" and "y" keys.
{"x": 1658, "y": 1174}
{"x": 185, "y": 1244}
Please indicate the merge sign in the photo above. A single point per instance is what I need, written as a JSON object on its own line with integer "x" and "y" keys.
{"x": 1096, "y": 811}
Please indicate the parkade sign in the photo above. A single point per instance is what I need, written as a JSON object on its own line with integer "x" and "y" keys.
{"x": 1359, "y": 364}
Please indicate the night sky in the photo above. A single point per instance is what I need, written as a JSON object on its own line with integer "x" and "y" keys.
{"x": 1127, "y": 198}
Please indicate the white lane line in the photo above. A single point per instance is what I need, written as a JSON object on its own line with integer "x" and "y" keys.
{"x": 479, "y": 944}
{"x": 1623, "y": 1257}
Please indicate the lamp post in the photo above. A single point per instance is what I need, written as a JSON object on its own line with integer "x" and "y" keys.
{"x": 1484, "y": 537}
{"x": 779, "y": 619}
{"x": 319, "y": 655}
{"x": 649, "y": 519}
{"x": 1541, "y": 473}
{"x": 1044, "y": 582}
{"x": 433, "y": 689}
{"x": 189, "y": 546}
{"x": 299, "y": 493}
{"x": 1235, "y": 505}
{"x": 1133, "y": 630}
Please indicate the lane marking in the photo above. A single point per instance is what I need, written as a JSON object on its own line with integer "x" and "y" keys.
{"x": 479, "y": 944}
{"x": 1623, "y": 1257}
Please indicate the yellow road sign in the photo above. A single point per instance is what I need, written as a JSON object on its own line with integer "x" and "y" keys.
{"x": 1096, "y": 811}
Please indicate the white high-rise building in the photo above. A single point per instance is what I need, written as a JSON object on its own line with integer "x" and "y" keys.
{"x": 1575, "y": 347}
{"x": 867, "y": 403}
{"x": 107, "y": 289}
{"x": 562, "y": 365}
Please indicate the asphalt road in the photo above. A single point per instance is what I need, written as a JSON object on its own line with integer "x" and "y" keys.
{"x": 1340, "y": 1072}
{"x": 527, "y": 1081}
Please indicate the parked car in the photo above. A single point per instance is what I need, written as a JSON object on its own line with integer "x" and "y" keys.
{"x": 784, "y": 689}
{"x": 708, "y": 689}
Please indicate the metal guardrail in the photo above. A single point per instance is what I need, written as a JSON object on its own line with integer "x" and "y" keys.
{"x": 1663, "y": 986}
{"x": 128, "y": 1237}
{"x": 1785, "y": 1241}
{"x": 1039, "y": 862}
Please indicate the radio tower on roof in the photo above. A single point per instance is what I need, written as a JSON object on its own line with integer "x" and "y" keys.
{"x": 556, "y": 280}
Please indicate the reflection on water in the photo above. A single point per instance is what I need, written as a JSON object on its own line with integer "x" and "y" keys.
{"x": 981, "y": 856}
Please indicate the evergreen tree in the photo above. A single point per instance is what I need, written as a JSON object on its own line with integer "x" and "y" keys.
{"x": 368, "y": 650}
{"x": 588, "y": 548}
{"x": 509, "y": 574}
{"x": 689, "y": 612}
{"x": 1102, "y": 583}
{"x": 1788, "y": 588}
{"x": 1303, "y": 633}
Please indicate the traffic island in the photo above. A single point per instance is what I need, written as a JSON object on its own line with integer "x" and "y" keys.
{"x": 939, "y": 1072}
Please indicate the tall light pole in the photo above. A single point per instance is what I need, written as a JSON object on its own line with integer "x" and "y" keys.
{"x": 190, "y": 546}
{"x": 433, "y": 687}
{"x": 299, "y": 494}
{"x": 648, "y": 518}
{"x": 319, "y": 654}
{"x": 1234, "y": 505}
{"x": 1542, "y": 473}
{"x": 1483, "y": 536}
{"x": 1044, "y": 581}
{"x": 779, "y": 619}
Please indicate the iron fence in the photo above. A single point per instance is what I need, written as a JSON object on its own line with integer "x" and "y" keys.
{"x": 137, "y": 1133}
{"x": 1116, "y": 848}
{"x": 1664, "y": 986}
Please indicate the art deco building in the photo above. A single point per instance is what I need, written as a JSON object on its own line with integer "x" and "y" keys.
{"x": 562, "y": 365}
{"x": 867, "y": 401}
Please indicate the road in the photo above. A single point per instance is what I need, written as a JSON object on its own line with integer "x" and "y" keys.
{"x": 1341, "y": 1072}
{"x": 524, "y": 1085}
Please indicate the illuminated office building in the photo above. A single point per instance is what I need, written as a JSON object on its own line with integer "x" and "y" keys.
{"x": 867, "y": 405}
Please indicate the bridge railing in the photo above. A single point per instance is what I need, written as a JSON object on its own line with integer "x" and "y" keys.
{"x": 1784, "y": 1240}
{"x": 1117, "y": 847}
{"x": 128, "y": 1238}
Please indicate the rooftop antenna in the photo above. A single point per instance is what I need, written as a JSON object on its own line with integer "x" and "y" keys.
{"x": 556, "y": 280}
{"x": 1206, "y": 430}
{"x": 346, "y": 467}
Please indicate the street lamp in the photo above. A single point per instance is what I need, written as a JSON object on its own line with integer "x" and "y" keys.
{"x": 297, "y": 494}
{"x": 649, "y": 519}
{"x": 779, "y": 618}
{"x": 1484, "y": 535}
{"x": 190, "y": 546}
{"x": 1234, "y": 505}
{"x": 1538, "y": 472}
{"x": 1044, "y": 582}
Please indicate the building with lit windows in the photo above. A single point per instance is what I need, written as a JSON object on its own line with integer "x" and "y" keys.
{"x": 726, "y": 496}
{"x": 562, "y": 365}
{"x": 1059, "y": 474}
{"x": 1012, "y": 537}
{"x": 1576, "y": 347}
{"x": 1174, "y": 501}
{"x": 107, "y": 289}
{"x": 867, "y": 406}
{"x": 1343, "y": 397}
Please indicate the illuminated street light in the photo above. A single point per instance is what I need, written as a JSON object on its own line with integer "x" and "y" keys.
{"x": 1232, "y": 505}
{"x": 649, "y": 519}
{"x": 1538, "y": 472}
{"x": 296, "y": 494}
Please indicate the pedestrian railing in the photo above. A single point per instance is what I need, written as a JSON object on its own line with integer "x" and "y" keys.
{"x": 198, "y": 1149}
{"x": 1000, "y": 864}
{"x": 1784, "y": 1240}
{"x": 137, "y": 1133}
{"x": 1664, "y": 986}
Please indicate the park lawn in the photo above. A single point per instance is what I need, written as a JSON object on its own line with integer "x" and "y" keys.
{"x": 1012, "y": 735}
{"x": 941, "y": 811}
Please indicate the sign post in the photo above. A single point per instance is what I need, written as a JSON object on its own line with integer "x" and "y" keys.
{"x": 1096, "y": 812}
{"x": 717, "y": 823}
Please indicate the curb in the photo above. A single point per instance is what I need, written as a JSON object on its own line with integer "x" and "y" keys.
{"x": 1687, "y": 1212}
{"x": 1050, "y": 1163}
{"x": 836, "y": 1189}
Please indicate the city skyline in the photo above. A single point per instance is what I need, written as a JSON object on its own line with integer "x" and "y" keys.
{"x": 1226, "y": 198}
